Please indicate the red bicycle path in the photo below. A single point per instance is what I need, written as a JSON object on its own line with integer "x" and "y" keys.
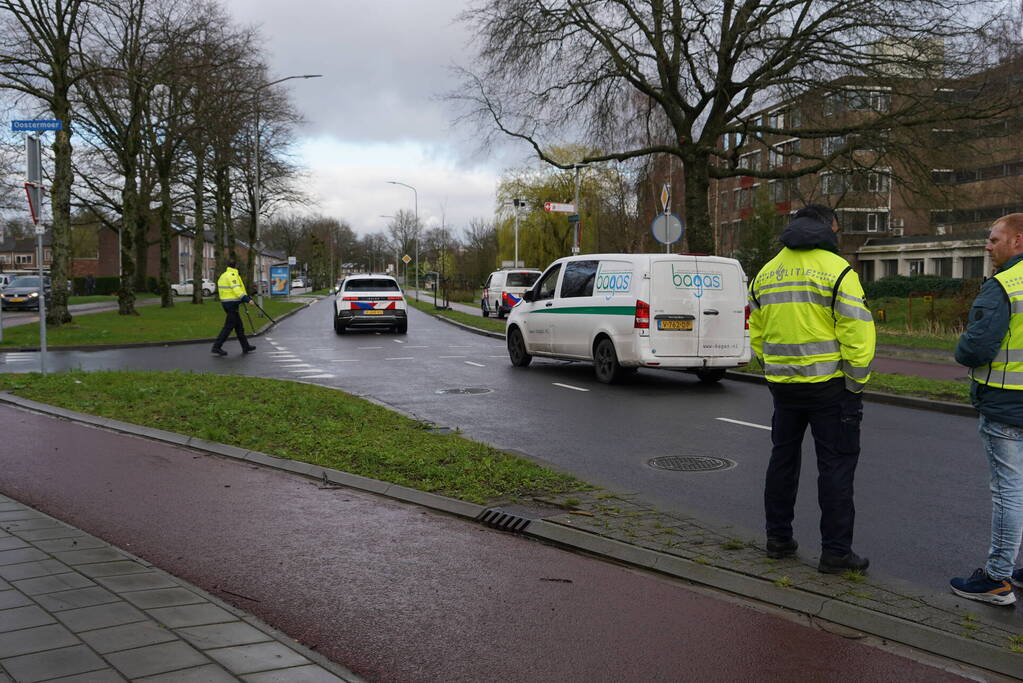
{"x": 396, "y": 592}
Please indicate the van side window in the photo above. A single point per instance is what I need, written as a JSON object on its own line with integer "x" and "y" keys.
{"x": 578, "y": 280}
{"x": 545, "y": 287}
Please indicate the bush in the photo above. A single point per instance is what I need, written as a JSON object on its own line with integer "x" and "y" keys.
{"x": 107, "y": 285}
{"x": 902, "y": 286}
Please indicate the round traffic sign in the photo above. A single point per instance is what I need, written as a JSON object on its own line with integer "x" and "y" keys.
{"x": 667, "y": 228}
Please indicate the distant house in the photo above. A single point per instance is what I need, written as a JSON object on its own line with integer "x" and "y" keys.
{"x": 21, "y": 253}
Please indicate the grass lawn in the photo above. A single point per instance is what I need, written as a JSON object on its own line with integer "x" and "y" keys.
{"x": 152, "y": 324}
{"x": 108, "y": 298}
{"x": 302, "y": 422}
{"x": 490, "y": 324}
{"x": 916, "y": 323}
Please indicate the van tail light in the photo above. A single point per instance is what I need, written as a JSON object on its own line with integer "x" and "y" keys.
{"x": 642, "y": 321}
{"x": 747, "y": 316}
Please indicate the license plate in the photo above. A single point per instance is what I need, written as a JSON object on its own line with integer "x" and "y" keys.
{"x": 372, "y": 311}
{"x": 17, "y": 300}
{"x": 674, "y": 324}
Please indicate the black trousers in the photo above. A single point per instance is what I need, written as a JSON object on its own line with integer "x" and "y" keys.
{"x": 233, "y": 321}
{"x": 834, "y": 415}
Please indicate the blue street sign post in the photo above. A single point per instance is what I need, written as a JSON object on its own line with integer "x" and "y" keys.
{"x": 32, "y": 126}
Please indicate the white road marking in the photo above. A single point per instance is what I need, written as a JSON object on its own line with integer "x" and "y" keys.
{"x": 345, "y": 360}
{"x": 744, "y": 424}
{"x": 450, "y": 356}
{"x": 305, "y": 372}
{"x": 402, "y": 358}
{"x": 289, "y": 359}
{"x": 465, "y": 346}
{"x": 368, "y": 348}
{"x": 568, "y": 386}
{"x": 316, "y": 377}
{"x": 504, "y": 355}
{"x": 323, "y": 348}
{"x": 479, "y": 365}
{"x": 297, "y": 365}
{"x": 19, "y": 360}
{"x": 417, "y": 347}
{"x": 397, "y": 341}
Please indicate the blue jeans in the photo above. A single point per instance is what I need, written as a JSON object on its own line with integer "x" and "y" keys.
{"x": 1004, "y": 447}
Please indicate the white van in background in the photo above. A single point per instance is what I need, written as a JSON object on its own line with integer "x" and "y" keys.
{"x": 627, "y": 311}
{"x": 504, "y": 288}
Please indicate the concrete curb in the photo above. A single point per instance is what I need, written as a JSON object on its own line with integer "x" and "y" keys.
{"x": 136, "y": 345}
{"x": 886, "y": 626}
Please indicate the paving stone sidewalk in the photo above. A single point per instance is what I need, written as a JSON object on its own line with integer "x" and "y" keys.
{"x": 74, "y": 608}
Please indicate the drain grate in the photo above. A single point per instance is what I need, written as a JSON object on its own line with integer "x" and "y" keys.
{"x": 465, "y": 390}
{"x": 691, "y": 463}
{"x": 505, "y": 521}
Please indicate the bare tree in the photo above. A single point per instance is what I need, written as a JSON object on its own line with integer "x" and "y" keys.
{"x": 639, "y": 77}
{"x": 40, "y": 48}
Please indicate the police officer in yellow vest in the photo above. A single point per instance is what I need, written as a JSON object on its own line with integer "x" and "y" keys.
{"x": 231, "y": 291}
{"x": 810, "y": 326}
{"x": 992, "y": 346}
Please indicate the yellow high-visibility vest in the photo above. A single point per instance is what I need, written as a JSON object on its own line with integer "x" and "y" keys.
{"x": 1006, "y": 371}
{"x": 230, "y": 286}
{"x": 809, "y": 321}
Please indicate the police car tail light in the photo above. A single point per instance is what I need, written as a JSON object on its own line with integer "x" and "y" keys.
{"x": 747, "y": 316}
{"x": 642, "y": 321}
{"x": 350, "y": 298}
{"x": 394, "y": 298}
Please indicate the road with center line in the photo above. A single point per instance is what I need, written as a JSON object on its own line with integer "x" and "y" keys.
{"x": 922, "y": 499}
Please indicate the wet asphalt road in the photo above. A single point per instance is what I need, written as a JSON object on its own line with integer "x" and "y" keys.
{"x": 922, "y": 499}
{"x": 398, "y": 593}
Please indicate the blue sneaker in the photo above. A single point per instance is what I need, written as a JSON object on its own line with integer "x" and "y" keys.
{"x": 985, "y": 589}
{"x": 1017, "y": 578}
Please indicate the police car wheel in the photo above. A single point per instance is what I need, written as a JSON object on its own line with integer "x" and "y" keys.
{"x": 517, "y": 349}
{"x": 207, "y": 292}
{"x": 605, "y": 362}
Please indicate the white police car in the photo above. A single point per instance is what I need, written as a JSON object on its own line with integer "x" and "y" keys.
{"x": 370, "y": 301}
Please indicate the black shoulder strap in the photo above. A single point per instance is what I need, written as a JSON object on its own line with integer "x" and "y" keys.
{"x": 834, "y": 290}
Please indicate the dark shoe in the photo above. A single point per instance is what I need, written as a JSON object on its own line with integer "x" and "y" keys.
{"x": 979, "y": 586}
{"x": 836, "y": 564}
{"x": 1017, "y": 578}
{"x": 218, "y": 351}
{"x": 249, "y": 349}
{"x": 777, "y": 548}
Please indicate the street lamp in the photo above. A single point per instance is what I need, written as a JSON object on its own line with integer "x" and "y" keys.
{"x": 395, "y": 182}
{"x": 256, "y": 197}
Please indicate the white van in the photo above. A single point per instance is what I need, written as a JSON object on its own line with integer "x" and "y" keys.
{"x": 504, "y": 288}
{"x": 627, "y": 311}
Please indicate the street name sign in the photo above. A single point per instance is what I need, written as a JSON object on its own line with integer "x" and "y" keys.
{"x": 559, "y": 208}
{"x": 573, "y": 218}
{"x": 36, "y": 125}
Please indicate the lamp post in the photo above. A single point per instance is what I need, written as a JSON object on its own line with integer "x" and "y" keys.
{"x": 578, "y": 211}
{"x": 395, "y": 182}
{"x": 256, "y": 195}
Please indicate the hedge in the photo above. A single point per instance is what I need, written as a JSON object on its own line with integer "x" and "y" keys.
{"x": 903, "y": 286}
{"x": 101, "y": 285}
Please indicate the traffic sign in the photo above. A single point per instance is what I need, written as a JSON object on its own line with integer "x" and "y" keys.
{"x": 406, "y": 259}
{"x": 36, "y": 125}
{"x": 559, "y": 208}
{"x": 667, "y": 228}
{"x": 665, "y": 197}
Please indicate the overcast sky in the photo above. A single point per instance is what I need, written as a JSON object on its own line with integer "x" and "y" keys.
{"x": 375, "y": 115}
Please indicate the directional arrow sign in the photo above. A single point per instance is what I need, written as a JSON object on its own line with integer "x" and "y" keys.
{"x": 559, "y": 208}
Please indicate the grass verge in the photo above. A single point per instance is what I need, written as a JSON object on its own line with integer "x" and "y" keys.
{"x": 152, "y": 324}
{"x": 901, "y": 385}
{"x": 489, "y": 324}
{"x": 301, "y": 422}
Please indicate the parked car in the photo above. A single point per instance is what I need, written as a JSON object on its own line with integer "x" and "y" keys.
{"x": 23, "y": 293}
{"x": 370, "y": 301}
{"x": 185, "y": 288}
{"x": 627, "y": 311}
{"x": 504, "y": 288}
{"x": 297, "y": 282}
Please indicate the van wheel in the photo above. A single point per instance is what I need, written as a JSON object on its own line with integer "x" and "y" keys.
{"x": 517, "y": 349}
{"x": 710, "y": 376}
{"x": 207, "y": 292}
{"x": 605, "y": 362}
{"x": 501, "y": 313}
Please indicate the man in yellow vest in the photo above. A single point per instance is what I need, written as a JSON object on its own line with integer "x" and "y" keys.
{"x": 992, "y": 346}
{"x": 810, "y": 326}
{"x": 231, "y": 291}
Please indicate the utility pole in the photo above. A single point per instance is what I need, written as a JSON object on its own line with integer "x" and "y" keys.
{"x": 577, "y": 228}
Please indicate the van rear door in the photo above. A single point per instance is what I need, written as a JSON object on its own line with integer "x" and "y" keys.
{"x": 674, "y": 307}
{"x": 722, "y": 327}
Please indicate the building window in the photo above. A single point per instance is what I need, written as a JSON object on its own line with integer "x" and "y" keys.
{"x": 737, "y": 196}
{"x": 779, "y": 190}
{"x": 868, "y": 270}
{"x": 973, "y": 267}
{"x": 890, "y": 267}
{"x": 916, "y": 266}
{"x": 22, "y": 259}
{"x": 877, "y": 222}
{"x": 724, "y": 201}
{"x": 750, "y": 161}
{"x": 878, "y": 182}
{"x": 833, "y": 143}
{"x": 943, "y": 266}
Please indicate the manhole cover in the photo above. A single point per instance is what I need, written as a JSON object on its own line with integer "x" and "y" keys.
{"x": 465, "y": 390}
{"x": 690, "y": 463}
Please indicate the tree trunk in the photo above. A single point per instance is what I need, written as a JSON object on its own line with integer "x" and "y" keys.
{"x": 220, "y": 218}
{"x": 142, "y": 238}
{"x": 129, "y": 201}
{"x": 699, "y": 231}
{"x": 60, "y": 269}
{"x": 199, "y": 241}
{"x": 166, "y": 300}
